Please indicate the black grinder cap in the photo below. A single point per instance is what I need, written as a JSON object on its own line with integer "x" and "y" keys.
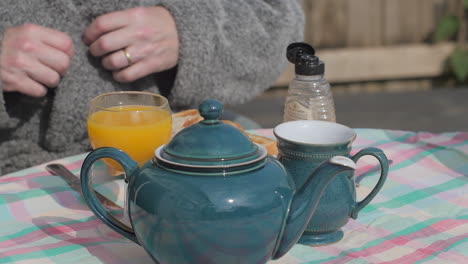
{"x": 302, "y": 55}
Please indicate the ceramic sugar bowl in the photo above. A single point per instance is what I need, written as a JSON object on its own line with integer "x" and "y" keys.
{"x": 213, "y": 196}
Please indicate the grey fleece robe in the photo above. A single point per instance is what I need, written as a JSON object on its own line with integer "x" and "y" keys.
{"x": 230, "y": 50}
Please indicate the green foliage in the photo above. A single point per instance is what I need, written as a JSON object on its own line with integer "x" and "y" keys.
{"x": 459, "y": 63}
{"x": 447, "y": 28}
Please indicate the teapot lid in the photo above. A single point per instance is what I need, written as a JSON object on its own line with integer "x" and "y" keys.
{"x": 210, "y": 143}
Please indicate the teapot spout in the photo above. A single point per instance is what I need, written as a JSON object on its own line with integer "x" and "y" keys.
{"x": 307, "y": 199}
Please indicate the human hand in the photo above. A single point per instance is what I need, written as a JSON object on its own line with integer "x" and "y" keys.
{"x": 32, "y": 58}
{"x": 147, "y": 34}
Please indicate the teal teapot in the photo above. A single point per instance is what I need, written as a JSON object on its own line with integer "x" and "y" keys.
{"x": 211, "y": 195}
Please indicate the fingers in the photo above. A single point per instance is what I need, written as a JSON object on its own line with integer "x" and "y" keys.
{"x": 29, "y": 68}
{"x": 103, "y": 24}
{"x": 146, "y": 58}
{"x": 32, "y": 79}
{"x": 57, "y": 40}
{"x": 118, "y": 60}
{"x": 55, "y": 59}
{"x": 19, "y": 82}
{"x": 132, "y": 73}
{"x": 111, "y": 41}
{"x": 115, "y": 61}
{"x": 43, "y": 74}
{"x": 148, "y": 34}
{"x": 32, "y": 88}
{"x": 139, "y": 69}
{"x": 33, "y": 58}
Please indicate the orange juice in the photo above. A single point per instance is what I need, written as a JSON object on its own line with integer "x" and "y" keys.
{"x": 136, "y": 129}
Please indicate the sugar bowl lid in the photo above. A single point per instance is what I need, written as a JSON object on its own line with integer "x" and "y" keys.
{"x": 211, "y": 143}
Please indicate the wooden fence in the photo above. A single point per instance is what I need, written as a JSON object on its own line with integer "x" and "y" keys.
{"x": 366, "y": 23}
{"x": 388, "y": 39}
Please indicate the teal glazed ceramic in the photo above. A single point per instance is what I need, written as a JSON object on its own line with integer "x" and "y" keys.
{"x": 303, "y": 146}
{"x": 213, "y": 196}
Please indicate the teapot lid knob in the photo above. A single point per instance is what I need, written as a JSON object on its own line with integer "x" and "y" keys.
{"x": 211, "y": 111}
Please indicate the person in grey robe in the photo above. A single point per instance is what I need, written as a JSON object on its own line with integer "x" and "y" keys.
{"x": 56, "y": 55}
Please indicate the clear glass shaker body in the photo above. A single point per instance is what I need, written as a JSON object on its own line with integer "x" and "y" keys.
{"x": 309, "y": 98}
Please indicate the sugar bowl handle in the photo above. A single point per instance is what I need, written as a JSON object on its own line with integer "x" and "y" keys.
{"x": 131, "y": 168}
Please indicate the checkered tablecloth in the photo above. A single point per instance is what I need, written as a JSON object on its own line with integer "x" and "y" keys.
{"x": 419, "y": 216}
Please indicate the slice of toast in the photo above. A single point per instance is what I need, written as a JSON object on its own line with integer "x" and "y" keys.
{"x": 183, "y": 119}
{"x": 268, "y": 143}
{"x": 235, "y": 124}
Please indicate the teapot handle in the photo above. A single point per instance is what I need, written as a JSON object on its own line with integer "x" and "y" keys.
{"x": 131, "y": 168}
{"x": 380, "y": 156}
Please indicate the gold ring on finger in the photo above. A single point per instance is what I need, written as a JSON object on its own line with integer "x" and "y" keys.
{"x": 128, "y": 56}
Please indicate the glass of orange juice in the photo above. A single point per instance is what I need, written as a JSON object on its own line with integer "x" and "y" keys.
{"x": 135, "y": 122}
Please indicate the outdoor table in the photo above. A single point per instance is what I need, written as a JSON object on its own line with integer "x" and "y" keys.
{"x": 419, "y": 216}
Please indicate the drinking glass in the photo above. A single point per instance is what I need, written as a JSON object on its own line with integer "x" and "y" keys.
{"x": 135, "y": 122}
